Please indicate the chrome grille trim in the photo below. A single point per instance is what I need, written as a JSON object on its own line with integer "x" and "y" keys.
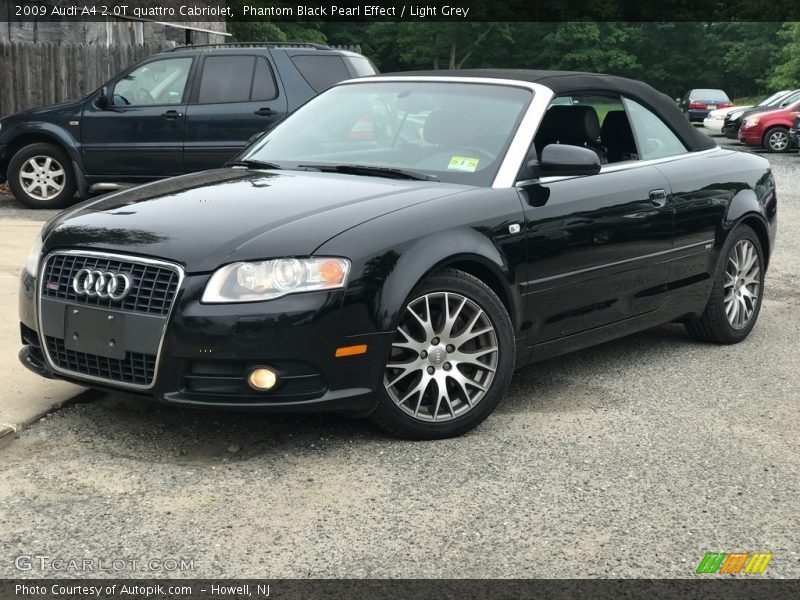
{"x": 153, "y": 288}
{"x": 136, "y": 260}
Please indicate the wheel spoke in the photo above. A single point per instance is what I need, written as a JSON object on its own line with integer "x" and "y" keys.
{"x": 57, "y": 173}
{"x": 425, "y": 323}
{"x": 26, "y": 175}
{"x": 450, "y": 320}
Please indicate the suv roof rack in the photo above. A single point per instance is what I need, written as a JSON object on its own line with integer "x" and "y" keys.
{"x": 255, "y": 45}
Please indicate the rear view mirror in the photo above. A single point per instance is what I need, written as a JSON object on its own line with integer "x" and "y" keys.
{"x": 103, "y": 101}
{"x": 566, "y": 160}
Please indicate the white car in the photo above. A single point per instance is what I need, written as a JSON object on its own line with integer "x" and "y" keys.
{"x": 713, "y": 122}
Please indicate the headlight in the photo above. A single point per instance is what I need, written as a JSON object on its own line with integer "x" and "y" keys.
{"x": 750, "y": 122}
{"x": 32, "y": 264}
{"x": 252, "y": 281}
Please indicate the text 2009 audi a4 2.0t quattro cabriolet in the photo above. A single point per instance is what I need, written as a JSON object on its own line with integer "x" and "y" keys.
{"x": 397, "y": 246}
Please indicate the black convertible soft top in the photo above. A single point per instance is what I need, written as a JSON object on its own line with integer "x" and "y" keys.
{"x": 564, "y": 82}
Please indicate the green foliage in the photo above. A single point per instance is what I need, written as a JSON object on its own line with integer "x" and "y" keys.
{"x": 787, "y": 73}
{"x": 594, "y": 47}
{"x": 743, "y": 58}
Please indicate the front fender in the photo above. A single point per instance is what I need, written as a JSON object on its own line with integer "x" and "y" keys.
{"x": 456, "y": 247}
{"x": 43, "y": 130}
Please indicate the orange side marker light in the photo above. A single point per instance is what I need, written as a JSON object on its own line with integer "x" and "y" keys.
{"x": 351, "y": 350}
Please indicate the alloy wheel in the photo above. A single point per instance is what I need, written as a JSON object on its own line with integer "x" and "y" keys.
{"x": 742, "y": 284}
{"x": 42, "y": 177}
{"x": 778, "y": 141}
{"x": 443, "y": 359}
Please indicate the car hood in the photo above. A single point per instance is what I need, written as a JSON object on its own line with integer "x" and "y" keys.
{"x": 215, "y": 217}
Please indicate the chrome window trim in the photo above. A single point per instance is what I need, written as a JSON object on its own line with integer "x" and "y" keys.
{"x": 624, "y": 166}
{"x": 110, "y": 255}
{"x": 511, "y": 164}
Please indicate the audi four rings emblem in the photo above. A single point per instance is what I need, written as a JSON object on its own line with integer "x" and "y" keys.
{"x": 101, "y": 284}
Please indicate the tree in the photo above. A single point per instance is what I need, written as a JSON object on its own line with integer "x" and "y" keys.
{"x": 787, "y": 73}
{"x": 586, "y": 46}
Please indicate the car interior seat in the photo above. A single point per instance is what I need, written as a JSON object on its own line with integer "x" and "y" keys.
{"x": 616, "y": 136}
{"x": 574, "y": 125}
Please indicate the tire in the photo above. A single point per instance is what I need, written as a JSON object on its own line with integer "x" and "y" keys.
{"x": 477, "y": 323}
{"x": 717, "y": 324}
{"x": 777, "y": 139}
{"x": 40, "y": 176}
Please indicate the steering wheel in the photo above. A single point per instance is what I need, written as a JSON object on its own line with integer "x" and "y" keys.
{"x": 143, "y": 97}
{"x": 123, "y": 99}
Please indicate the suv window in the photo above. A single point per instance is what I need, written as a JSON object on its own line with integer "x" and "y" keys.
{"x": 264, "y": 87}
{"x": 321, "y": 72}
{"x": 654, "y": 138}
{"x": 226, "y": 79}
{"x": 157, "y": 82}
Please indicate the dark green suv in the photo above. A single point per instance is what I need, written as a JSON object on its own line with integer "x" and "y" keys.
{"x": 183, "y": 110}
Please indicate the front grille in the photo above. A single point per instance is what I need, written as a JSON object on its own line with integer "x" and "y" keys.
{"x": 136, "y": 369}
{"x": 152, "y": 292}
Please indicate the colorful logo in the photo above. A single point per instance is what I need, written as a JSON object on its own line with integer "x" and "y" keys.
{"x": 735, "y": 562}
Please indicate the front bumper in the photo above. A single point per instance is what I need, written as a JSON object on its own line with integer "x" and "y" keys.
{"x": 207, "y": 351}
{"x": 794, "y": 136}
{"x": 750, "y": 136}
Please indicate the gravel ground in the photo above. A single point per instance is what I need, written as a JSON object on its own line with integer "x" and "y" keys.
{"x": 631, "y": 459}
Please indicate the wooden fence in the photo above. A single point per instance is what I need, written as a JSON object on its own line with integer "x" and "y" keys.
{"x": 37, "y": 74}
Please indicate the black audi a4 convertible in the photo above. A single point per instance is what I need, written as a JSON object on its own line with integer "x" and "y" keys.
{"x": 400, "y": 244}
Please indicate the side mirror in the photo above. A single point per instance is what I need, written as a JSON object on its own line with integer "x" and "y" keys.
{"x": 566, "y": 160}
{"x": 103, "y": 101}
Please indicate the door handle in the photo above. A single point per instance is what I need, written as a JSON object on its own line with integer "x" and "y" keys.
{"x": 264, "y": 112}
{"x": 658, "y": 198}
{"x": 171, "y": 114}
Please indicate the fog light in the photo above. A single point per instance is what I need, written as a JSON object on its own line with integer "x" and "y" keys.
{"x": 262, "y": 379}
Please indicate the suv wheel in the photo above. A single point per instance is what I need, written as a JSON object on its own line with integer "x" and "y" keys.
{"x": 40, "y": 176}
{"x": 777, "y": 139}
{"x": 451, "y": 359}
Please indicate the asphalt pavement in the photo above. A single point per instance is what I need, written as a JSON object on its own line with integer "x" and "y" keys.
{"x": 631, "y": 459}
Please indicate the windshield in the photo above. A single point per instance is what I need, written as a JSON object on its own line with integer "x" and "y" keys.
{"x": 713, "y": 95}
{"x": 790, "y": 99}
{"x": 452, "y": 132}
{"x": 773, "y": 98}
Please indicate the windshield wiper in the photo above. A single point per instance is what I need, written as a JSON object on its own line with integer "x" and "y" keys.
{"x": 371, "y": 170}
{"x": 252, "y": 164}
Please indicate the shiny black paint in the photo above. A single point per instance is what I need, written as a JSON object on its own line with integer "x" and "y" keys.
{"x": 595, "y": 259}
{"x": 593, "y": 247}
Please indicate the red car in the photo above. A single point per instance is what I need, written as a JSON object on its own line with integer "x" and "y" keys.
{"x": 770, "y": 129}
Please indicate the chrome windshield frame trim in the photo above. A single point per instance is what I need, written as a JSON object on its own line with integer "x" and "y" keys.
{"x": 123, "y": 257}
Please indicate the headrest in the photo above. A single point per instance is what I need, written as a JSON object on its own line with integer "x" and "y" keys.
{"x": 569, "y": 125}
{"x": 616, "y": 126}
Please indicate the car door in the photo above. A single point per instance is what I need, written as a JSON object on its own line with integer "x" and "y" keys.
{"x": 598, "y": 246}
{"x": 139, "y": 136}
{"x": 236, "y": 96}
